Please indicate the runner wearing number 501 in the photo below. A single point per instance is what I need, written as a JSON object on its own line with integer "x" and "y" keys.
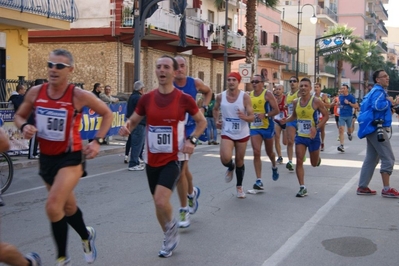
{"x": 165, "y": 109}
{"x": 58, "y": 107}
{"x": 237, "y": 112}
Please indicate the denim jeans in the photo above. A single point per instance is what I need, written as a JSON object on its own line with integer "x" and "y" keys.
{"x": 212, "y": 128}
{"x": 137, "y": 140}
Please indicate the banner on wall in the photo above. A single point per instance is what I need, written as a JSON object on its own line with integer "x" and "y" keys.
{"x": 90, "y": 123}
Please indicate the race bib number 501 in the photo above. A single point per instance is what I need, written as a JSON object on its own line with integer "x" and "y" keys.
{"x": 160, "y": 139}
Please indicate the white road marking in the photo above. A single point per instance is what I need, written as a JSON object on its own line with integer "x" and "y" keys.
{"x": 289, "y": 246}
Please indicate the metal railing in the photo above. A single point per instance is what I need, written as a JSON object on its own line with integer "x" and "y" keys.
{"x": 328, "y": 12}
{"x": 303, "y": 68}
{"x": 275, "y": 54}
{"x": 58, "y": 9}
{"x": 166, "y": 21}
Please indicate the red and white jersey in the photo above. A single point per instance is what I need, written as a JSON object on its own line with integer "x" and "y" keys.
{"x": 57, "y": 122}
{"x": 165, "y": 124}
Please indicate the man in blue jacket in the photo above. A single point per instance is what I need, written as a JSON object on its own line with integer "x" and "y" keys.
{"x": 377, "y": 106}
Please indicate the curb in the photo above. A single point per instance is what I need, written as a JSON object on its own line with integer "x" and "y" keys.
{"x": 25, "y": 163}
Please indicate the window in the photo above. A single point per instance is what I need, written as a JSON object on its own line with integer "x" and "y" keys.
{"x": 201, "y": 75}
{"x": 276, "y": 39}
{"x": 211, "y": 16}
{"x": 263, "y": 37}
{"x": 129, "y": 77}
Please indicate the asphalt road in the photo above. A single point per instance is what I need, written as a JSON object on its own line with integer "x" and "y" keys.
{"x": 331, "y": 226}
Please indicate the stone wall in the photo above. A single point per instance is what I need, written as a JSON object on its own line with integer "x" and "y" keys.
{"x": 104, "y": 62}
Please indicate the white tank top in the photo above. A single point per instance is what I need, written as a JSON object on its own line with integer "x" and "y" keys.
{"x": 233, "y": 126}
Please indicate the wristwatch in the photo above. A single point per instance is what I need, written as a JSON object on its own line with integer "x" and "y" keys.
{"x": 99, "y": 140}
{"x": 266, "y": 115}
{"x": 205, "y": 108}
{"x": 193, "y": 139}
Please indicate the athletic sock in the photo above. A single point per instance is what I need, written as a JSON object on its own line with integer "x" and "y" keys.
{"x": 60, "y": 233}
{"x": 77, "y": 223}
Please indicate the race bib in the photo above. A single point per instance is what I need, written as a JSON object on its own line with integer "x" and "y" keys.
{"x": 51, "y": 123}
{"x": 279, "y": 116}
{"x": 304, "y": 127}
{"x": 232, "y": 125}
{"x": 290, "y": 108}
{"x": 257, "y": 121}
{"x": 160, "y": 139}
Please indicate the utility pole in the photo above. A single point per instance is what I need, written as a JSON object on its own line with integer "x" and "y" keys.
{"x": 139, "y": 32}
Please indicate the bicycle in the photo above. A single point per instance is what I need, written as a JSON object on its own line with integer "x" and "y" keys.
{"x": 6, "y": 171}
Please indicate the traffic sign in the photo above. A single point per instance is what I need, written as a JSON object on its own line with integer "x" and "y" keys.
{"x": 245, "y": 72}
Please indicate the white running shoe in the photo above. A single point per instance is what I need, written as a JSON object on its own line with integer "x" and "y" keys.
{"x": 139, "y": 167}
{"x": 184, "y": 218}
{"x": 34, "y": 259}
{"x": 63, "y": 261}
{"x": 240, "y": 193}
{"x": 89, "y": 246}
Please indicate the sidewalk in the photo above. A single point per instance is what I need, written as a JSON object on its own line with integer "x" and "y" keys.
{"x": 117, "y": 145}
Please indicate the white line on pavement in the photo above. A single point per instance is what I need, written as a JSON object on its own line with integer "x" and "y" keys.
{"x": 285, "y": 250}
{"x": 86, "y": 177}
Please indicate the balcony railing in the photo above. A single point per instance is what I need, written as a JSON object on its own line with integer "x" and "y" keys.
{"x": 383, "y": 9}
{"x": 166, "y": 21}
{"x": 328, "y": 12}
{"x": 58, "y": 9}
{"x": 275, "y": 54}
{"x": 381, "y": 26}
{"x": 303, "y": 68}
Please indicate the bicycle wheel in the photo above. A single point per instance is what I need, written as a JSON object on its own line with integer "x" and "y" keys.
{"x": 6, "y": 171}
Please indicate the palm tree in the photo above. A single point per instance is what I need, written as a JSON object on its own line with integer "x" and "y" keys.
{"x": 250, "y": 25}
{"x": 367, "y": 58}
{"x": 347, "y": 50}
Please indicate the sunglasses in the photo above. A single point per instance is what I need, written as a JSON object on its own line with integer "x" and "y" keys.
{"x": 292, "y": 81}
{"x": 57, "y": 65}
{"x": 255, "y": 81}
{"x": 232, "y": 79}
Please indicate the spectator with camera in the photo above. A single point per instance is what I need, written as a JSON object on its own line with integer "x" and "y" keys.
{"x": 375, "y": 116}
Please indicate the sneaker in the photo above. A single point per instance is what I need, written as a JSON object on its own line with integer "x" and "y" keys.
{"x": 139, "y": 167}
{"x": 275, "y": 174}
{"x": 184, "y": 218}
{"x": 215, "y": 143}
{"x": 240, "y": 193}
{"x": 229, "y": 174}
{"x": 322, "y": 147}
{"x": 34, "y": 259}
{"x": 338, "y": 139}
{"x": 141, "y": 161}
{"x": 210, "y": 143}
{"x": 63, "y": 261}
{"x": 350, "y": 137}
{"x": 289, "y": 166}
{"x": 302, "y": 192}
{"x": 126, "y": 159}
{"x": 193, "y": 201}
{"x": 365, "y": 191}
{"x": 280, "y": 160}
{"x": 171, "y": 239}
{"x": 390, "y": 193}
{"x": 89, "y": 247}
{"x": 341, "y": 148}
{"x": 258, "y": 185}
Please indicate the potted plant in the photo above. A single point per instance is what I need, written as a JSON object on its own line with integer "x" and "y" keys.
{"x": 284, "y": 48}
{"x": 275, "y": 45}
{"x": 240, "y": 32}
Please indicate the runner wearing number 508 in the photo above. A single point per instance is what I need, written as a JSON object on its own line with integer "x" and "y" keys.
{"x": 58, "y": 106}
{"x": 237, "y": 112}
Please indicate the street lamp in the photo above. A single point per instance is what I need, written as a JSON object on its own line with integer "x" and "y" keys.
{"x": 313, "y": 20}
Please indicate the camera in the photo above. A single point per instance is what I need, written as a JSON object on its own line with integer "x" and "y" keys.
{"x": 380, "y": 129}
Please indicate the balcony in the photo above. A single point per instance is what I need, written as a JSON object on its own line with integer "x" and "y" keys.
{"x": 165, "y": 21}
{"x": 381, "y": 27}
{"x": 34, "y": 14}
{"x": 326, "y": 15}
{"x": 381, "y": 11}
{"x": 278, "y": 56}
{"x": 303, "y": 68}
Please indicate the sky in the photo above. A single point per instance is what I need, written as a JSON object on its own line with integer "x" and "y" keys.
{"x": 393, "y": 19}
